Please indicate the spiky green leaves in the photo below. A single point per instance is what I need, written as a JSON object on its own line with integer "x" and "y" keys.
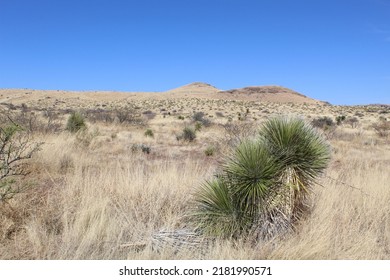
{"x": 252, "y": 171}
{"x": 263, "y": 184}
{"x": 76, "y": 122}
{"x": 300, "y": 149}
{"x": 216, "y": 213}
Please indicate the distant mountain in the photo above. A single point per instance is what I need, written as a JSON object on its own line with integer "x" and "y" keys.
{"x": 263, "y": 90}
{"x": 252, "y": 93}
{"x": 196, "y": 87}
{"x": 270, "y": 94}
{"x": 194, "y": 90}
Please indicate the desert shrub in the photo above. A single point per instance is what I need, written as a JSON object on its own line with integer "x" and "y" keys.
{"x": 327, "y": 126}
{"x": 27, "y": 120}
{"x": 198, "y": 126}
{"x": 382, "y": 127}
{"x": 324, "y": 123}
{"x": 189, "y": 134}
{"x": 359, "y": 114}
{"x": 264, "y": 184}
{"x": 124, "y": 115}
{"x": 180, "y": 117}
{"x": 145, "y": 149}
{"x": 340, "y": 119}
{"x": 210, "y": 151}
{"x": 33, "y": 123}
{"x": 84, "y": 137}
{"x": 234, "y": 132}
{"x": 149, "y": 133}
{"x": 100, "y": 115}
{"x": 76, "y": 121}
{"x": 149, "y": 114}
{"x": 141, "y": 147}
{"x": 66, "y": 163}
{"x": 129, "y": 116}
{"x": 352, "y": 121}
{"x": 199, "y": 117}
{"x": 16, "y": 148}
{"x": 53, "y": 123}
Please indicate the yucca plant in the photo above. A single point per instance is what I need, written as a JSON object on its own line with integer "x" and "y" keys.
{"x": 217, "y": 213}
{"x": 251, "y": 172}
{"x": 76, "y": 122}
{"x": 302, "y": 154}
{"x": 264, "y": 185}
{"x": 299, "y": 148}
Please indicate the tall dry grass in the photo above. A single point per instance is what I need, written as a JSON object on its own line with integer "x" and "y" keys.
{"x": 100, "y": 200}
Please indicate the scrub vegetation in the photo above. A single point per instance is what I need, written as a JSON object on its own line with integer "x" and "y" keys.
{"x": 136, "y": 179}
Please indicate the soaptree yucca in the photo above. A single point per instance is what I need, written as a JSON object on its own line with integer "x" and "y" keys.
{"x": 263, "y": 186}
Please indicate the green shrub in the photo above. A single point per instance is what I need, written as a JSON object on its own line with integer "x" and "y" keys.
{"x": 149, "y": 133}
{"x": 340, "y": 119}
{"x": 145, "y": 149}
{"x": 76, "y": 121}
{"x": 189, "y": 134}
{"x": 210, "y": 150}
{"x": 198, "y": 126}
{"x": 263, "y": 186}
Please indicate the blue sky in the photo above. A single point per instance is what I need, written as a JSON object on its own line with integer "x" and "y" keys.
{"x": 337, "y": 51}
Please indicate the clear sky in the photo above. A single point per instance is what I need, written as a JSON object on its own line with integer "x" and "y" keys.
{"x": 331, "y": 50}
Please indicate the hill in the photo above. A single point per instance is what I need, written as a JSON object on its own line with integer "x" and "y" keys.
{"x": 275, "y": 94}
{"x": 269, "y": 94}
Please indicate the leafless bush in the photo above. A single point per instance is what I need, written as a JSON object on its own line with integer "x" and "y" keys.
{"x": 352, "y": 121}
{"x": 16, "y": 148}
{"x": 149, "y": 114}
{"x": 236, "y": 132}
{"x": 200, "y": 118}
{"x": 382, "y": 128}
{"x": 100, "y": 115}
{"x": 33, "y": 123}
{"x": 130, "y": 116}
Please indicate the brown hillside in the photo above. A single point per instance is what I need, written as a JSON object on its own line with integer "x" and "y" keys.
{"x": 196, "y": 87}
{"x": 194, "y": 90}
{"x": 268, "y": 94}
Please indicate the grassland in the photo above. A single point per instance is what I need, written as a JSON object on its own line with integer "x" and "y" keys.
{"x": 98, "y": 194}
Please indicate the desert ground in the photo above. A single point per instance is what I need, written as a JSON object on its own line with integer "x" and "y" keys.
{"x": 122, "y": 187}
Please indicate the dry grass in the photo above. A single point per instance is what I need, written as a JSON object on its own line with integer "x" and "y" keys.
{"x": 93, "y": 197}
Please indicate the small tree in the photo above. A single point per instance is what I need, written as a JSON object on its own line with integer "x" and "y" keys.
{"x": 16, "y": 148}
